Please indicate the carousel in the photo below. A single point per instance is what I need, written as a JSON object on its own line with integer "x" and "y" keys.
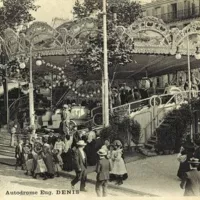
{"x": 155, "y": 50}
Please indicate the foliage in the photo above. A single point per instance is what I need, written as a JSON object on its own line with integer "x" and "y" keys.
{"x": 16, "y": 12}
{"x": 92, "y": 58}
{"x": 121, "y": 130}
{"x": 170, "y": 137}
{"x": 127, "y": 11}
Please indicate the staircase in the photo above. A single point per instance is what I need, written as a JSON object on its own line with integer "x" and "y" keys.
{"x": 149, "y": 146}
{"x": 5, "y": 148}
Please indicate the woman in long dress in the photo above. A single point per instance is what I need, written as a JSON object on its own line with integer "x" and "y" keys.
{"x": 67, "y": 154}
{"x": 188, "y": 151}
{"x": 118, "y": 172}
{"x": 48, "y": 160}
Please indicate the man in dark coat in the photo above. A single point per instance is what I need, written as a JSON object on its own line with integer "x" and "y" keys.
{"x": 51, "y": 139}
{"x": 98, "y": 141}
{"x": 19, "y": 154}
{"x": 191, "y": 179}
{"x": 80, "y": 166}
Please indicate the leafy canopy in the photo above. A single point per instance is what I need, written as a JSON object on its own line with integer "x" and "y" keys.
{"x": 16, "y": 12}
{"x": 92, "y": 58}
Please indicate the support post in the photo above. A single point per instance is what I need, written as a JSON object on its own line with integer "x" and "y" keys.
{"x": 31, "y": 96}
{"x": 189, "y": 82}
{"x": 106, "y": 90}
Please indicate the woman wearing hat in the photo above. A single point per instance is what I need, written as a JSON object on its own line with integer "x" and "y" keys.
{"x": 48, "y": 160}
{"x": 119, "y": 172}
{"x": 186, "y": 151}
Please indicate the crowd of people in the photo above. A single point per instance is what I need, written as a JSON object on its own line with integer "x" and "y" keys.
{"x": 46, "y": 156}
{"x": 189, "y": 169}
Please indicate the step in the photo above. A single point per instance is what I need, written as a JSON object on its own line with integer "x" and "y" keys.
{"x": 7, "y": 153}
{"x": 7, "y": 147}
{"x": 169, "y": 120}
{"x": 151, "y": 142}
{"x": 149, "y": 146}
{"x": 153, "y": 137}
{"x": 172, "y": 116}
{"x": 6, "y": 136}
{"x": 165, "y": 124}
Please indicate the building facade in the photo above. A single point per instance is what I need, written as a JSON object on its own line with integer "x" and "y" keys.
{"x": 175, "y": 13}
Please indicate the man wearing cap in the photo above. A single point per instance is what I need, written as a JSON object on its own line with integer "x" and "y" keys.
{"x": 102, "y": 169}
{"x": 80, "y": 166}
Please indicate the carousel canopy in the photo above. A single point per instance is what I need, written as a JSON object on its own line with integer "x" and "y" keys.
{"x": 152, "y": 44}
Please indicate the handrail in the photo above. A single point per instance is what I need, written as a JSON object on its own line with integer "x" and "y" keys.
{"x": 61, "y": 98}
{"x": 174, "y": 96}
{"x": 17, "y": 100}
{"x": 145, "y": 127}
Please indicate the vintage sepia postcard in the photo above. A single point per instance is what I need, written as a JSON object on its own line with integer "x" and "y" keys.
{"x": 99, "y": 98}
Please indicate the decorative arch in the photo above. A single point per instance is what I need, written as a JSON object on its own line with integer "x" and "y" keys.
{"x": 192, "y": 31}
{"x": 149, "y": 35}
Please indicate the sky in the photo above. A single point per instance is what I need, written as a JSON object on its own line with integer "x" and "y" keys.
{"x": 50, "y": 9}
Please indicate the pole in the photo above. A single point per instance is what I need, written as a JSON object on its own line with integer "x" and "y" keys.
{"x": 106, "y": 91}
{"x": 7, "y": 101}
{"x": 31, "y": 96}
{"x": 189, "y": 81}
{"x": 103, "y": 98}
{"x": 189, "y": 70}
{"x": 51, "y": 90}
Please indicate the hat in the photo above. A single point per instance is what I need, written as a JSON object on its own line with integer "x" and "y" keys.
{"x": 51, "y": 131}
{"x": 194, "y": 161}
{"x": 117, "y": 143}
{"x": 81, "y": 143}
{"x": 65, "y": 106}
{"x": 102, "y": 152}
{"x": 47, "y": 145}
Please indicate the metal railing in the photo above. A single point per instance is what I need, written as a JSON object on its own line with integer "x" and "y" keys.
{"x": 182, "y": 14}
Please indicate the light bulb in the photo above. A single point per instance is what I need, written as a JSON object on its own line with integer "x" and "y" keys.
{"x": 38, "y": 62}
{"x": 197, "y": 56}
{"x": 22, "y": 65}
{"x": 178, "y": 56}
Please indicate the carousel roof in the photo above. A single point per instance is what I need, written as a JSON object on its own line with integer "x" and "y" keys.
{"x": 152, "y": 44}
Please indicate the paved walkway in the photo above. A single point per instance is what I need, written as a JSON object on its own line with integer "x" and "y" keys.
{"x": 150, "y": 176}
{"x": 154, "y": 176}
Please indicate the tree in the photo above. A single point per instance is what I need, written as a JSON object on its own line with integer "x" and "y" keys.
{"x": 118, "y": 54}
{"x": 127, "y": 11}
{"x": 16, "y": 12}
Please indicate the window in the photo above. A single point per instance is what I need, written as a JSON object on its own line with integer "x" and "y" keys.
{"x": 158, "y": 12}
{"x": 174, "y": 10}
{"x": 185, "y": 24}
{"x": 171, "y": 27}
